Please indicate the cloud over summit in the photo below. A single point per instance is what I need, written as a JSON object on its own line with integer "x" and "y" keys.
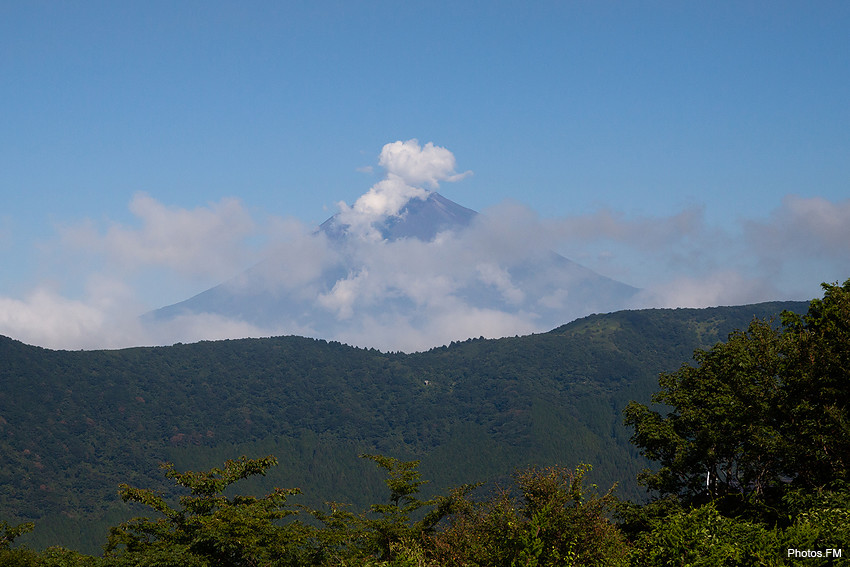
{"x": 410, "y": 168}
{"x": 409, "y": 294}
{"x": 418, "y": 166}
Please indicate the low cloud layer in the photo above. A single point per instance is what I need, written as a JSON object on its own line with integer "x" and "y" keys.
{"x": 409, "y": 294}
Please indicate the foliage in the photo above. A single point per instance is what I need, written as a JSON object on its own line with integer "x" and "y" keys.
{"x": 387, "y": 532}
{"x": 14, "y": 557}
{"x": 75, "y": 424}
{"x": 702, "y": 537}
{"x": 61, "y": 557}
{"x": 18, "y": 557}
{"x": 722, "y": 436}
{"x": 753, "y": 448}
{"x": 817, "y": 382}
{"x": 209, "y": 528}
{"x": 8, "y": 532}
{"x": 821, "y": 518}
{"x": 392, "y": 526}
{"x": 763, "y": 413}
{"x": 555, "y": 521}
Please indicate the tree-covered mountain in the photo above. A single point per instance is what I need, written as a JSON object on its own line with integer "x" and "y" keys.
{"x": 75, "y": 424}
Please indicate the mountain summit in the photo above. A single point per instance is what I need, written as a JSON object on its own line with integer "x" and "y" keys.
{"x": 422, "y": 219}
{"x": 432, "y": 272}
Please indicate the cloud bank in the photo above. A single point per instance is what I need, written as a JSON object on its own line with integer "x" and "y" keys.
{"x": 408, "y": 294}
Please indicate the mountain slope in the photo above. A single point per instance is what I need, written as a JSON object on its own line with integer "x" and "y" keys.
{"x": 75, "y": 424}
{"x": 434, "y": 272}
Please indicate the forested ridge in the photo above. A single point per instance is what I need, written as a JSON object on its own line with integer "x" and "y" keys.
{"x": 73, "y": 425}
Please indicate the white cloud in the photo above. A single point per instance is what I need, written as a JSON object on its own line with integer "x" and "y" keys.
{"x": 384, "y": 199}
{"x": 345, "y": 293}
{"x": 293, "y": 261}
{"x": 206, "y": 241}
{"x": 211, "y": 327}
{"x": 725, "y": 287}
{"x": 99, "y": 320}
{"x": 489, "y": 280}
{"x": 812, "y": 226}
{"x": 409, "y": 168}
{"x": 453, "y": 321}
{"x": 418, "y": 166}
{"x": 411, "y": 295}
{"x": 499, "y": 277}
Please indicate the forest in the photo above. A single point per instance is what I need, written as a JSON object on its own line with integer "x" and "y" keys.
{"x": 738, "y": 457}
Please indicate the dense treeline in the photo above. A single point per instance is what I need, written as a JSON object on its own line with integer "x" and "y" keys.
{"x": 752, "y": 452}
{"x": 74, "y": 424}
{"x": 547, "y": 517}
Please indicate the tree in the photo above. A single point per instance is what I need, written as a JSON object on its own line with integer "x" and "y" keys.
{"x": 9, "y": 532}
{"x": 210, "y": 528}
{"x": 387, "y": 532}
{"x": 20, "y": 557}
{"x": 554, "y": 520}
{"x": 818, "y": 390}
{"x": 761, "y": 415}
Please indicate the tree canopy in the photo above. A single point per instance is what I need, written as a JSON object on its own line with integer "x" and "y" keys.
{"x": 752, "y": 445}
{"x": 761, "y": 415}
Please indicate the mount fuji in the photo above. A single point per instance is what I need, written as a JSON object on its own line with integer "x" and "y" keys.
{"x": 433, "y": 272}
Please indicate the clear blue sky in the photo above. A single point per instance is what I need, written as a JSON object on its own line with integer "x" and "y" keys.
{"x": 736, "y": 111}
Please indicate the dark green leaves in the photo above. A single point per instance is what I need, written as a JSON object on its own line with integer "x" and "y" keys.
{"x": 764, "y": 412}
{"x": 209, "y": 528}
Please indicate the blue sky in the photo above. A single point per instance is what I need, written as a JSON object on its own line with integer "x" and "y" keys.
{"x": 727, "y": 122}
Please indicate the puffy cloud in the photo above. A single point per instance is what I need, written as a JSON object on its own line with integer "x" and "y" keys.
{"x": 409, "y": 168}
{"x": 344, "y": 294}
{"x": 409, "y": 295}
{"x": 385, "y": 198}
{"x": 645, "y": 233}
{"x": 418, "y": 166}
{"x": 499, "y": 277}
{"x": 206, "y": 241}
{"x": 294, "y": 259}
{"x": 46, "y": 318}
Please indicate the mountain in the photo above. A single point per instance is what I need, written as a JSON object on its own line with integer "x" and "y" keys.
{"x": 74, "y": 424}
{"x": 422, "y": 219}
{"x": 433, "y": 271}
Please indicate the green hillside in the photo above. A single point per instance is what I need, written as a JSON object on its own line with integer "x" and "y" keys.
{"x": 75, "y": 424}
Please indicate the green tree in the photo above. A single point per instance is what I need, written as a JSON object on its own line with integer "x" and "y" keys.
{"x": 210, "y": 528}
{"x": 555, "y": 521}
{"x": 818, "y": 391}
{"x": 702, "y": 537}
{"x": 9, "y": 532}
{"x": 722, "y": 433}
{"x": 762, "y": 414}
{"x": 15, "y": 557}
{"x": 388, "y": 532}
